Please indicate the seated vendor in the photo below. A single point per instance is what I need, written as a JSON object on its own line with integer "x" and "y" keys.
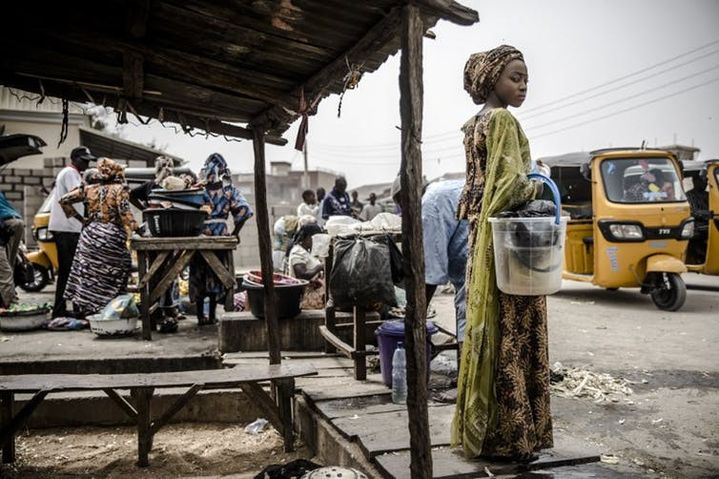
{"x": 301, "y": 264}
{"x": 652, "y": 186}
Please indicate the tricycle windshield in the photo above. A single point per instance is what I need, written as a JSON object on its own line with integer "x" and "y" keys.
{"x": 641, "y": 180}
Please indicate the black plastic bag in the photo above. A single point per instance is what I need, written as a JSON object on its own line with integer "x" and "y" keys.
{"x": 292, "y": 470}
{"x": 361, "y": 273}
{"x": 395, "y": 258}
{"x": 534, "y": 208}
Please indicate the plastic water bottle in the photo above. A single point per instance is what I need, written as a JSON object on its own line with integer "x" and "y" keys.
{"x": 399, "y": 375}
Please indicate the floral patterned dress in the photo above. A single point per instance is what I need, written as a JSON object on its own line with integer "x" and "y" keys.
{"x": 102, "y": 261}
{"x": 503, "y": 390}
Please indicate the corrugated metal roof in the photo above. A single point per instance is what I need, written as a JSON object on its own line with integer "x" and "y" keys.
{"x": 202, "y": 63}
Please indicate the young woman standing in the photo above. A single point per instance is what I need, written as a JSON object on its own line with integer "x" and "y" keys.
{"x": 503, "y": 389}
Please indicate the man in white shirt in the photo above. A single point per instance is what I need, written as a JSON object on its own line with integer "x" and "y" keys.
{"x": 309, "y": 204}
{"x": 66, "y": 231}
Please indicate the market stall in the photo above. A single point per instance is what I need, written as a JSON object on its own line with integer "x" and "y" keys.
{"x": 208, "y": 65}
{"x": 171, "y": 256}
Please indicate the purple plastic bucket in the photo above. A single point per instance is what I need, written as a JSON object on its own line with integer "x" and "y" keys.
{"x": 389, "y": 334}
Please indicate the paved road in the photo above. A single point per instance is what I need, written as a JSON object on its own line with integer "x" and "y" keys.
{"x": 671, "y": 426}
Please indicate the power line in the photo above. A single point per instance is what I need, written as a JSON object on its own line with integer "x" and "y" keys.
{"x": 596, "y": 95}
{"x": 356, "y": 153}
{"x": 629, "y": 75}
{"x": 626, "y": 98}
{"x": 393, "y": 145}
{"x": 633, "y": 107}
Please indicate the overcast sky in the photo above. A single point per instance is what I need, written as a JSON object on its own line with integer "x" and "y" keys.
{"x": 602, "y": 73}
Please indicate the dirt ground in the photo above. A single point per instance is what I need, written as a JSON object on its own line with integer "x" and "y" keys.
{"x": 179, "y": 450}
{"x": 669, "y": 425}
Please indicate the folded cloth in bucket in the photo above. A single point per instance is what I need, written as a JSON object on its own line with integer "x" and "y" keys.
{"x": 531, "y": 235}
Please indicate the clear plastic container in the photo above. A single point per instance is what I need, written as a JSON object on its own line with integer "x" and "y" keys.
{"x": 528, "y": 254}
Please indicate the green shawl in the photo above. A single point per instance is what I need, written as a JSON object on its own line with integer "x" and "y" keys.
{"x": 505, "y": 187}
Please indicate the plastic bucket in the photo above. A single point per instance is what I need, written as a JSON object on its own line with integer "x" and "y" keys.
{"x": 529, "y": 252}
{"x": 391, "y": 333}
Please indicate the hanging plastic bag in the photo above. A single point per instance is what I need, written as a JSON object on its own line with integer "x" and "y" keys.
{"x": 361, "y": 273}
{"x": 122, "y": 307}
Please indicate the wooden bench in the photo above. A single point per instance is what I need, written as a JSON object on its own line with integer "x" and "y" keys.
{"x": 278, "y": 411}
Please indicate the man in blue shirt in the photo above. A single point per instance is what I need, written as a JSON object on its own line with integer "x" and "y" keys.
{"x": 11, "y": 228}
{"x": 337, "y": 201}
{"x": 445, "y": 241}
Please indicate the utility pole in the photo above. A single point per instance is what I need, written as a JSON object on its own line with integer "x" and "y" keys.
{"x": 305, "y": 176}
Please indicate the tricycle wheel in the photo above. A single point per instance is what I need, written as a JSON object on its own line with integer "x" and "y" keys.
{"x": 41, "y": 278}
{"x": 669, "y": 291}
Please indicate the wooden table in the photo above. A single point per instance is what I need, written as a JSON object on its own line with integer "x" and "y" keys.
{"x": 277, "y": 409}
{"x": 171, "y": 256}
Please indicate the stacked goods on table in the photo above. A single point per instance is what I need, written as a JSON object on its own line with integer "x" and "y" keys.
{"x": 175, "y": 212}
{"x": 288, "y": 290}
{"x": 24, "y": 316}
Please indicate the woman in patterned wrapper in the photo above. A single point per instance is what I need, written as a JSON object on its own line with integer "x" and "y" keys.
{"x": 222, "y": 200}
{"x": 102, "y": 261}
{"x": 503, "y": 387}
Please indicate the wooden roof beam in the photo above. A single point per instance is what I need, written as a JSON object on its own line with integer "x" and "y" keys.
{"x": 318, "y": 84}
{"x": 133, "y": 63}
{"x": 137, "y": 14}
{"x": 449, "y": 10}
{"x": 132, "y": 74}
{"x": 73, "y": 92}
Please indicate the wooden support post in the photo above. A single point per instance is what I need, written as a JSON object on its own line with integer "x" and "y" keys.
{"x": 411, "y": 91}
{"x": 142, "y": 397}
{"x": 285, "y": 390}
{"x": 144, "y": 296}
{"x": 12, "y": 423}
{"x": 263, "y": 230}
{"x": 265, "y": 403}
{"x": 120, "y": 401}
{"x": 174, "y": 409}
{"x": 6, "y": 414}
{"x": 154, "y": 268}
{"x": 330, "y": 319}
{"x": 230, "y": 296}
{"x": 360, "y": 343}
{"x": 170, "y": 275}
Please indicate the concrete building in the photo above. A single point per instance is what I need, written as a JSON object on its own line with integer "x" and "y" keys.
{"x": 27, "y": 180}
{"x": 284, "y": 194}
{"x": 683, "y": 152}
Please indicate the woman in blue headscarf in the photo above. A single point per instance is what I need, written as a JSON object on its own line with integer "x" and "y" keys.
{"x": 222, "y": 200}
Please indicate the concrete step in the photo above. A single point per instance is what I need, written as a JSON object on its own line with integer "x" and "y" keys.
{"x": 94, "y": 408}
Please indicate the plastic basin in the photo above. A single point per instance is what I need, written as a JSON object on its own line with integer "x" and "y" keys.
{"x": 528, "y": 254}
{"x": 289, "y": 297}
{"x": 112, "y": 327}
{"x": 164, "y": 222}
{"x": 389, "y": 335}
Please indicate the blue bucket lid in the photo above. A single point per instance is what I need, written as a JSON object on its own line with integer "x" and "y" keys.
{"x": 396, "y": 328}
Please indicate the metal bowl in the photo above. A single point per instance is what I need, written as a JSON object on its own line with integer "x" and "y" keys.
{"x": 334, "y": 472}
{"x": 112, "y": 327}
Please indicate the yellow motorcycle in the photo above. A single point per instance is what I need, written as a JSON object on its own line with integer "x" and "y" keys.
{"x": 629, "y": 221}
